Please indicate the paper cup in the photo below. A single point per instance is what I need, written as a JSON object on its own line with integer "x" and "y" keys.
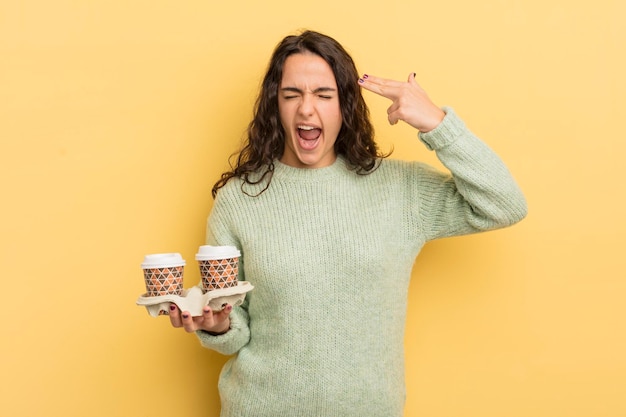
{"x": 163, "y": 274}
{"x": 219, "y": 266}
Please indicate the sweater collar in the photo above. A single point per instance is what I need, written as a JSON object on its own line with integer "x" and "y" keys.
{"x": 289, "y": 173}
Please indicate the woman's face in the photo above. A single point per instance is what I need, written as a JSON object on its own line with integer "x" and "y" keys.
{"x": 308, "y": 103}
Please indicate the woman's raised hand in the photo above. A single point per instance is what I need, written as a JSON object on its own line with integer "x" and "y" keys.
{"x": 410, "y": 103}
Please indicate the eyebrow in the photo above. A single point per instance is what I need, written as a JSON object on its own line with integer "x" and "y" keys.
{"x": 316, "y": 91}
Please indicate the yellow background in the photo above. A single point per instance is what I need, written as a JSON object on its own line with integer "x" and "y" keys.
{"x": 116, "y": 117}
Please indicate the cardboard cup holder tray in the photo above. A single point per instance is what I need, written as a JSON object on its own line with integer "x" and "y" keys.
{"x": 193, "y": 300}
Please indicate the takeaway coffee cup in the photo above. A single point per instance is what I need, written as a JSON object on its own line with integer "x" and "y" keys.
{"x": 163, "y": 273}
{"x": 219, "y": 266}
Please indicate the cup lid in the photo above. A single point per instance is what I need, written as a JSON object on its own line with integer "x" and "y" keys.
{"x": 208, "y": 252}
{"x": 162, "y": 260}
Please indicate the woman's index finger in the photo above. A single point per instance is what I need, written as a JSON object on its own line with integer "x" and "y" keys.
{"x": 381, "y": 86}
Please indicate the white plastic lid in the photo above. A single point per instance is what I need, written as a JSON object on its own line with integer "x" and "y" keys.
{"x": 162, "y": 260}
{"x": 208, "y": 252}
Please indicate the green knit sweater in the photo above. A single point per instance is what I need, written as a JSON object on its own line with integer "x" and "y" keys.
{"x": 330, "y": 255}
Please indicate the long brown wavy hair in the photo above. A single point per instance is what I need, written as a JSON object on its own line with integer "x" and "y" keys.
{"x": 265, "y": 136}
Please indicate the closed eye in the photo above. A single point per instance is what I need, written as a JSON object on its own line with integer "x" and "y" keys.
{"x": 293, "y": 92}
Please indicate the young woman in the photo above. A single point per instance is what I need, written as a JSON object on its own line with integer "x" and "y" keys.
{"x": 329, "y": 229}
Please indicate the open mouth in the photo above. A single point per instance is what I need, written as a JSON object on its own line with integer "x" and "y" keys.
{"x": 308, "y": 136}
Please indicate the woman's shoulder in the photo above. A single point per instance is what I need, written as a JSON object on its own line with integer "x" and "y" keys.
{"x": 403, "y": 167}
{"x": 229, "y": 190}
{"x": 237, "y": 187}
{"x": 405, "y": 173}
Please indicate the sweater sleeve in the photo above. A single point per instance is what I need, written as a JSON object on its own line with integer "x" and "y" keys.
{"x": 234, "y": 339}
{"x": 219, "y": 232}
{"x": 480, "y": 194}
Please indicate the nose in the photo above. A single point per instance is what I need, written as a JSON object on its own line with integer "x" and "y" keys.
{"x": 307, "y": 104}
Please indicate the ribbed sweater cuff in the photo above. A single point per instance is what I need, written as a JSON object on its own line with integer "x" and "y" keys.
{"x": 445, "y": 133}
{"x": 229, "y": 342}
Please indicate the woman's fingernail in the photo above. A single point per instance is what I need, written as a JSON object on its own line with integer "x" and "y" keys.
{"x": 365, "y": 76}
{"x": 185, "y": 316}
{"x": 361, "y": 80}
{"x": 172, "y": 307}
